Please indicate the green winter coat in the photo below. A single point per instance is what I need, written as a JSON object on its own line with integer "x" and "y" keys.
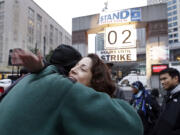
{"x": 49, "y": 104}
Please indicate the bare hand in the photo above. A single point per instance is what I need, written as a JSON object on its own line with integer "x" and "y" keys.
{"x": 27, "y": 59}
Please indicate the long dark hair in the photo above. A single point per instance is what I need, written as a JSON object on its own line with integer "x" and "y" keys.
{"x": 101, "y": 79}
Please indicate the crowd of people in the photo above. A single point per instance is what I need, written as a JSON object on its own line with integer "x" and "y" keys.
{"x": 75, "y": 95}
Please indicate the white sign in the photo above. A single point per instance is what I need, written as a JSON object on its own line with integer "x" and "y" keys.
{"x": 118, "y": 55}
{"x": 120, "y": 37}
{"x": 120, "y": 16}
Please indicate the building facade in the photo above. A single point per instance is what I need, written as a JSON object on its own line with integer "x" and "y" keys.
{"x": 151, "y": 42}
{"x": 152, "y": 2}
{"x": 153, "y": 24}
{"x": 173, "y": 13}
{"x": 23, "y": 24}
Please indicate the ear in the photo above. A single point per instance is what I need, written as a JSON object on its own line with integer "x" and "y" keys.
{"x": 176, "y": 79}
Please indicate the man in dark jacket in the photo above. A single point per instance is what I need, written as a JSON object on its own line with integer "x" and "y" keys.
{"x": 169, "y": 120}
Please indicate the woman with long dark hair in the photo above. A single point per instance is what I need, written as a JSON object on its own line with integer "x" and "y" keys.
{"x": 93, "y": 72}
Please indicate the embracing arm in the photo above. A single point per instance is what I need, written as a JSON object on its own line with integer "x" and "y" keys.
{"x": 86, "y": 111}
{"x": 33, "y": 63}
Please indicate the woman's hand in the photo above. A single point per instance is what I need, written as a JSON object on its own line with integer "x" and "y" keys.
{"x": 27, "y": 59}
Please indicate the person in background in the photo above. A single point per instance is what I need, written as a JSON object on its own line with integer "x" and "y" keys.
{"x": 147, "y": 108}
{"x": 118, "y": 93}
{"x": 155, "y": 95}
{"x": 169, "y": 120}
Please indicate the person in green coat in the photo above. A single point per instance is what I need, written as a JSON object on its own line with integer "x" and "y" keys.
{"x": 49, "y": 104}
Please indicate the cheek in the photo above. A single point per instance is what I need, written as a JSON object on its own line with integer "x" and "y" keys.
{"x": 85, "y": 79}
{"x": 167, "y": 81}
{"x": 82, "y": 78}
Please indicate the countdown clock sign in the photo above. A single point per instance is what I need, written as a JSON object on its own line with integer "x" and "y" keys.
{"x": 120, "y": 37}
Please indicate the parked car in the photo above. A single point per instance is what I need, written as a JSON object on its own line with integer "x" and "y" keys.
{"x": 4, "y": 84}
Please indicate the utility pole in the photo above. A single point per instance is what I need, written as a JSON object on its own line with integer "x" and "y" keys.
{"x": 35, "y": 51}
{"x": 44, "y": 46}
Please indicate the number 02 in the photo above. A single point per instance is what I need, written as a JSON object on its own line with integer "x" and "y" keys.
{"x": 109, "y": 35}
{"x": 129, "y": 34}
{"x": 115, "y": 37}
